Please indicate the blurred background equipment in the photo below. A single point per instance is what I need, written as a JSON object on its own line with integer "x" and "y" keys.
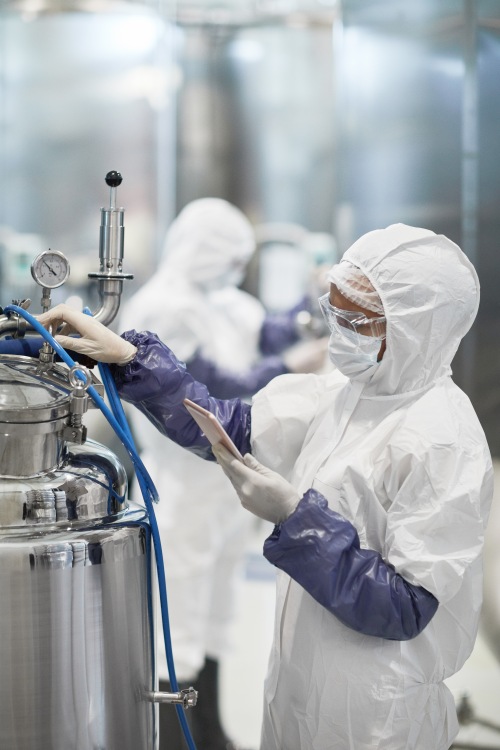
{"x": 320, "y": 119}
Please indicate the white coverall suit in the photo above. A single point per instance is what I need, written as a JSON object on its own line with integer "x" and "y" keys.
{"x": 390, "y": 482}
{"x": 399, "y": 452}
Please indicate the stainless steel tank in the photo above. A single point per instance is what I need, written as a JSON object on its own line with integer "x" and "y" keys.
{"x": 76, "y": 620}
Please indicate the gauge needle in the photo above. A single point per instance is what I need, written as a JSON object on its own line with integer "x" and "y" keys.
{"x": 50, "y": 269}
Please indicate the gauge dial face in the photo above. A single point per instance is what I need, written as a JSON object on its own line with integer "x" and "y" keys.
{"x": 50, "y": 269}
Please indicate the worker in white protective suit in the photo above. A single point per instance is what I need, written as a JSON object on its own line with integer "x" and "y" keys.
{"x": 229, "y": 343}
{"x": 379, "y": 480}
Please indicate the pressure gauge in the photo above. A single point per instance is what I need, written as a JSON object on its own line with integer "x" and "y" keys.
{"x": 50, "y": 269}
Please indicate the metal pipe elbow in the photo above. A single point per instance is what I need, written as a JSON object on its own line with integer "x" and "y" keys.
{"x": 110, "y": 291}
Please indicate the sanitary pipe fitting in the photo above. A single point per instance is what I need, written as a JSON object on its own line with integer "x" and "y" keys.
{"x": 187, "y": 698}
{"x": 111, "y": 240}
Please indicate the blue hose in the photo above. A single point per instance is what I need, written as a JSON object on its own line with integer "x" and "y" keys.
{"x": 118, "y": 422}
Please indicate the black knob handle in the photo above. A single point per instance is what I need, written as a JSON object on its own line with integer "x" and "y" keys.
{"x": 113, "y": 179}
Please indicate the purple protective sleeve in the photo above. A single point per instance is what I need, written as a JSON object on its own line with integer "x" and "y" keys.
{"x": 225, "y": 384}
{"x": 156, "y": 382}
{"x": 279, "y": 330}
{"x": 320, "y": 550}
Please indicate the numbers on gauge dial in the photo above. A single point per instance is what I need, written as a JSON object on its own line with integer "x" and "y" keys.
{"x": 50, "y": 269}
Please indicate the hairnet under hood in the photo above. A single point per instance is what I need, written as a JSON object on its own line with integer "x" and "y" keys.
{"x": 210, "y": 243}
{"x": 430, "y": 293}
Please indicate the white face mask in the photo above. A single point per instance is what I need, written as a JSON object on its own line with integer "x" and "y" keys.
{"x": 352, "y": 353}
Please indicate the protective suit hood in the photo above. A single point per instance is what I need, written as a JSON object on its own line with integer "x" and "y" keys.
{"x": 210, "y": 243}
{"x": 430, "y": 293}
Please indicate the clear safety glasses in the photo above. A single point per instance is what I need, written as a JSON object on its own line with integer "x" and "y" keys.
{"x": 356, "y": 322}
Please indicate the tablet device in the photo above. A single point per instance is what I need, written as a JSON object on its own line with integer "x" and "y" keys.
{"x": 211, "y": 427}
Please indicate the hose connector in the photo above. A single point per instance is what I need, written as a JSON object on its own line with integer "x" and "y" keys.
{"x": 186, "y": 698}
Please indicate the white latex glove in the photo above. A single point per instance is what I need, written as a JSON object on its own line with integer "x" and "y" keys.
{"x": 263, "y": 492}
{"x": 96, "y": 340}
{"x": 307, "y": 356}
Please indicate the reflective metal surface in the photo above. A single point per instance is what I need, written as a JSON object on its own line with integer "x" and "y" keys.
{"x": 76, "y": 604}
{"x": 30, "y": 396}
{"x": 89, "y": 485}
{"x": 33, "y": 413}
{"x": 76, "y": 638}
{"x": 246, "y": 134}
{"x": 72, "y": 110}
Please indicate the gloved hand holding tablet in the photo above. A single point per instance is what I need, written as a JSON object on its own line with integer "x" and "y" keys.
{"x": 212, "y": 428}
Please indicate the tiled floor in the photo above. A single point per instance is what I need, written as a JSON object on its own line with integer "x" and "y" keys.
{"x": 244, "y": 671}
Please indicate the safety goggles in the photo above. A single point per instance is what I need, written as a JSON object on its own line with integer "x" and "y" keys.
{"x": 356, "y": 322}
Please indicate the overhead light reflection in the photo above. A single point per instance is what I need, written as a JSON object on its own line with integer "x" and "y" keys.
{"x": 453, "y": 68}
{"x": 30, "y": 9}
{"x": 246, "y": 50}
{"x": 138, "y": 34}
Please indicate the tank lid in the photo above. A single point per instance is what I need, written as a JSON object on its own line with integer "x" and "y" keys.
{"x": 30, "y": 395}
